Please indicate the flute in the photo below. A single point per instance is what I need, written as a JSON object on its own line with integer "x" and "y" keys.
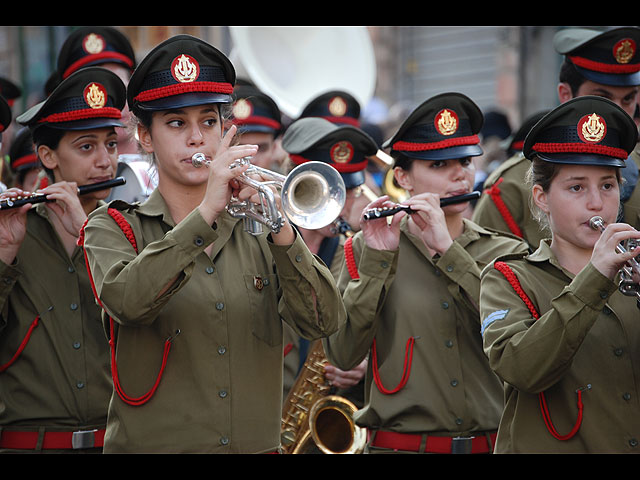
{"x": 8, "y": 203}
{"x": 374, "y": 213}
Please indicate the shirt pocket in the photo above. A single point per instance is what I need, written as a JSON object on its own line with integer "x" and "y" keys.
{"x": 262, "y": 295}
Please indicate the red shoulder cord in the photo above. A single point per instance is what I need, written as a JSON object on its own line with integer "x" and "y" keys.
{"x": 511, "y": 277}
{"x": 494, "y": 193}
{"x": 23, "y": 344}
{"x": 408, "y": 355}
{"x": 135, "y": 401}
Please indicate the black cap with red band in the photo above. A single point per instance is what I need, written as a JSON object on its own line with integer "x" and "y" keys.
{"x": 609, "y": 57}
{"x": 5, "y": 115}
{"x": 93, "y": 46}
{"x": 255, "y": 111}
{"x": 180, "y": 72}
{"x": 22, "y": 155}
{"x": 344, "y": 147}
{"x": 443, "y": 127}
{"x": 586, "y": 130}
{"x": 92, "y": 97}
{"x": 336, "y": 106}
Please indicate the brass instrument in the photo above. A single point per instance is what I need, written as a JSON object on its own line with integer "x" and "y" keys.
{"x": 313, "y": 194}
{"x": 627, "y": 285}
{"x": 312, "y": 416}
{"x": 7, "y": 203}
{"x": 374, "y": 213}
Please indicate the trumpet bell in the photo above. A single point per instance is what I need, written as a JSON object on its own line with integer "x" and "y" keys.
{"x": 313, "y": 195}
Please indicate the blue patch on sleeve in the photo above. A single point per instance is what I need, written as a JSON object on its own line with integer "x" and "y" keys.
{"x": 492, "y": 317}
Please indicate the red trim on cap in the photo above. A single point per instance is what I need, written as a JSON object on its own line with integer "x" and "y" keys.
{"x": 517, "y": 145}
{"x": 177, "y": 89}
{"x": 340, "y": 167}
{"x": 255, "y": 120}
{"x": 580, "y": 148}
{"x": 107, "y": 112}
{"x": 450, "y": 142}
{"x": 107, "y": 55}
{"x": 605, "y": 67}
{"x": 347, "y": 120}
{"x": 25, "y": 160}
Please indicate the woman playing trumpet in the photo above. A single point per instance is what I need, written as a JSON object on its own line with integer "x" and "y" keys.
{"x": 556, "y": 329}
{"x": 188, "y": 279}
{"x": 411, "y": 291}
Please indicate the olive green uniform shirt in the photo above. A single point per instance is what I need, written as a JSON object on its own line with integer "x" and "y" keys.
{"x": 221, "y": 390}
{"x": 61, "y": 380}
{"x": 405, "y": 294}
{"x": 515, "y": 194}
{"x": 587, "y": 337}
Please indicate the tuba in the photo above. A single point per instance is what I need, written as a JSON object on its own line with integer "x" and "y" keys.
{"x": 312, "y": 417}
{"x": 312, "y": 195}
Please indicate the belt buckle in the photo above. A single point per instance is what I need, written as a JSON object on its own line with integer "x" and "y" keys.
{"x": 461, "y": 444}
{"x": 83, "y": 439}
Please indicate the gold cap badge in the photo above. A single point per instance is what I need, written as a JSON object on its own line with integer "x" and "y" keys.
{"x": 242, "y": 109}
{"x": 592, "y": 128}
{"x": 93, "y": 43}
{"x": 446, "y": 122}
{"x": 342, "y": 152}
{"x": 624, "y": 50}
{"x": 185, "y": 68}
{"x": 95, "y": 95}
{"x": 337, "y": 106}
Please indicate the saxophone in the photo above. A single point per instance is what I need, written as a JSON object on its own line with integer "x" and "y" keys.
{"x": 312, "y": 417}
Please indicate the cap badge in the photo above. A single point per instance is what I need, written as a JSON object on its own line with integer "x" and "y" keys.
{"x": 446, "y": 122}
{"x": 624, "y": 50}
{"x": 592, "y": 128}
{"x": 185, "y": 69}
{"x": 93, "y": 43}
{"x": 242, "y": 109}
{"x": 342, "y": 152}
{"x": 95, "y": 95}
{"x": 337, "y": 106}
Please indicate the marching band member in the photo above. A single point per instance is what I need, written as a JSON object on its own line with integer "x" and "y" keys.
{"x": 557, "y": 331}
{"x": 596, "y": 62}
{"x": 54, "y": 379}
{"x": 179, "y": 273}
{"x": 411, "y": 291}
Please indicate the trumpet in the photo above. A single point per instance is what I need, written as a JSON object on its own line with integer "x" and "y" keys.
{"x": 8, "y": 203}
{"x": 374, "y": 213}
{"x": 312, "y": 194}
{"x": 626, "y": 285}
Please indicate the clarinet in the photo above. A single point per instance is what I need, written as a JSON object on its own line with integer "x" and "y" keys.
{"x": 374, "y": 213}
{"x": 8, "y": 203}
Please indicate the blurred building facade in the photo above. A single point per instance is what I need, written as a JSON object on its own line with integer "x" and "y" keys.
{"x": 512, "y": 69}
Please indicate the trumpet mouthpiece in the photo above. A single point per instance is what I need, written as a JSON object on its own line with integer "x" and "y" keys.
{"x": 597, "y": 223}
{"x": 198, "y": 160}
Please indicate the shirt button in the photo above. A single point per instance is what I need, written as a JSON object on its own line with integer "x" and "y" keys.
{"x": 209, "y": 270}
{"x": 458, "y": 421}
{"x": 626, "y": 396}
{"x": 224, "y": 441}
{"x": 633, "y": 442}
{"x": 448, "y": 344}
{"x": 219, "y": 306}
{"x": 603, "y": 294}
{"x": 298, "y": 258}
{"x": 76, "y": 345}
{"x": 384, "y": 264}
{"x": 198, "y": 241}
{"x": 71, "y": 269}
{"x": 449, "y": 268}
{"x": 617, "y": 352}
{"x": 222, "y": 350}
{"x": 80, "y": 384}
{"x": 445, "y": 305}
{"x": 454, "y": 383}
{"x": 73, "y": 306}
{"x": 606, "y": 310}
{"x": 222, "y": 394}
